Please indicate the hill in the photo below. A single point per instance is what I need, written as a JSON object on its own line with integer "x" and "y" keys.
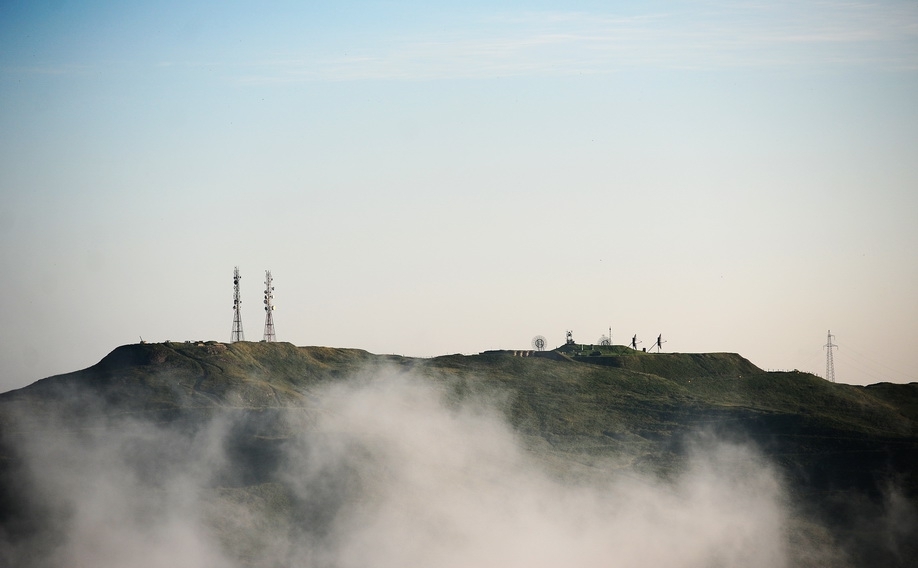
{"x": 847, "y": 455}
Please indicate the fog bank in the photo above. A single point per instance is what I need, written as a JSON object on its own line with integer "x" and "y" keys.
{"x": 380, "y": 471}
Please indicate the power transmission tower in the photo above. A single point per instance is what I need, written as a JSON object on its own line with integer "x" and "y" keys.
{"x": 237, "y": 334}
{"x": 830, "y": 365}
{"x": 269, "y": 307}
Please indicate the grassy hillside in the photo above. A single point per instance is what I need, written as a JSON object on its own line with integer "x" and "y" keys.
{"x": 579, "y": 398}
{"x": 580, "y": 409}
{"x": 165, "y": 377}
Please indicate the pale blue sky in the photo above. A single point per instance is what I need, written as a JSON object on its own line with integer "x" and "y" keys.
{"x": 738, "y": 176}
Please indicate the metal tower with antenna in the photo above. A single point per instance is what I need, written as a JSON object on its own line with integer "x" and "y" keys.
{"x": 269, "y": 307}
{"x": 237, "y": 334}
{"x": 830, "y": 364}
{"x": 605, "y": 340}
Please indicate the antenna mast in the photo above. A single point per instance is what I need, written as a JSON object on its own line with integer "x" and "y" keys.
{"x": 830, "y": 364}
{"x": 237, "y": 334}
{"x": 269, "y": 307}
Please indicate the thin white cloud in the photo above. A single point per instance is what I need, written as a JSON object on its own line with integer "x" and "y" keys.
{"x": 49, "y": 70}
{"x": 713, "y": 35}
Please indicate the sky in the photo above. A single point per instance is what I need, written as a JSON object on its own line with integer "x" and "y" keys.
{"x": 426, "y": 179}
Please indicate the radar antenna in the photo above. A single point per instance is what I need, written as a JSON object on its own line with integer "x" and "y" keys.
{"x": 269, "y": 307}
{"x": 658, "y": 343}
{"x": 634, "y": 342}
{"x": 237, "y": 334}
{"x": 538, "y": 343}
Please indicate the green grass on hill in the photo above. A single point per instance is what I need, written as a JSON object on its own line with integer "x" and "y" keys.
{"x": 579, "y": 409}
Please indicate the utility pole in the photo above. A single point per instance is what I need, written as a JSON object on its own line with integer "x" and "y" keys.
{"x": 269, "y": 307}
{"x": 830, "y": 364}
{"x": 237, "y": 334}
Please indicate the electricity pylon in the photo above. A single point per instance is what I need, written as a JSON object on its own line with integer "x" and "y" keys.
{"x": 830, "y": 364}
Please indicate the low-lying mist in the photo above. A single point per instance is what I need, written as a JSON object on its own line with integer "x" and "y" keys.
{"x": 380, "y": 471}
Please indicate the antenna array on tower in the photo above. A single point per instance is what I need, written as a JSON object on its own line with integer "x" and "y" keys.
{"x": 269, "y": 307}
{"x": 237, "y": 334}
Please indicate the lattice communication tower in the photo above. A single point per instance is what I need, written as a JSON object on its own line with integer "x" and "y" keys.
{"x": 237, "y": 334}
{"x": 269, "y": 307}
{"x": 830, "y": 364}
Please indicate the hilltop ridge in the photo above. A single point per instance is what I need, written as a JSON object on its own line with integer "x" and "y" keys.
{"x": 260, "y": 374}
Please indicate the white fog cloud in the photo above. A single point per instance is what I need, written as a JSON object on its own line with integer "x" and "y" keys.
{"x": 387, "y": 471}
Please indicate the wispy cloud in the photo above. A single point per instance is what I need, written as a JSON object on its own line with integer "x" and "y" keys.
{"x": 48, "y": 70}
{"x": 707, "y": 36}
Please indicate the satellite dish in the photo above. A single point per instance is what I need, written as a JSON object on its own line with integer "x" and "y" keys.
{"x": 538, "y": 343}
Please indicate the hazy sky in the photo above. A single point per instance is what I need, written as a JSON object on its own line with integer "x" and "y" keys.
{"x": 423, "y": 180}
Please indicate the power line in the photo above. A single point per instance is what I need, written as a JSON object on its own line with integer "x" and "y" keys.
{"x": 848, "y": 362}
{"x": 887, "y": 368}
